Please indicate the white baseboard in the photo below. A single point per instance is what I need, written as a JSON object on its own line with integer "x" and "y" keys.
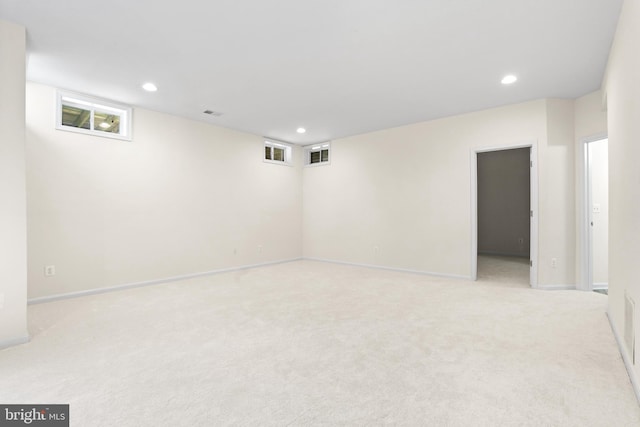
{"x": 381, "y": 267}
{"x": 87, "y": 292}
{"x": 600, "y": 286}
{"x": 556, "y": 287}
{"x": 625, "y": 357}
{"x": 14, "y": 341}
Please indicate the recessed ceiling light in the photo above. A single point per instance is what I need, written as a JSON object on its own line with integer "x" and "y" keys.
{"x": 149, "y": 87}
{"x": 301, "y": 130}
{"x": 509, "y": 79}
{"x": 104, "y": 125}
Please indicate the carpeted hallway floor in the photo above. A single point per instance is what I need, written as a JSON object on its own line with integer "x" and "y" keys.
{"x": 503, "y": 270}
{"x": 311, "y": 343}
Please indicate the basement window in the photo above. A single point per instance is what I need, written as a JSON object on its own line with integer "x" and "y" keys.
{"x": 277, "y": 152}
{"x": 93, "y": 116}
{"x": 317, "y": 154}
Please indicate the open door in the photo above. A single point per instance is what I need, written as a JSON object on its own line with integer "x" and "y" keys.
{"x": 596, "y": 213}
{"x": 501, "y": 249}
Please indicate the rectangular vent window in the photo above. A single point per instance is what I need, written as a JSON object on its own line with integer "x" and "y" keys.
{"x": 317, "y": 154}
{"x": 93, "y": 116}
{"x": 277, "y": 152}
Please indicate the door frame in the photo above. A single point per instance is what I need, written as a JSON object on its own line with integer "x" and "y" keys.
{"x": 586, "y": 231}
{"x": 533, "y": 224}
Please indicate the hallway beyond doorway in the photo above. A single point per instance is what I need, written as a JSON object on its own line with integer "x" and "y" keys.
{"x": 510, "y": 271}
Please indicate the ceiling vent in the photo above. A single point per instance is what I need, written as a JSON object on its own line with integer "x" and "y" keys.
{"x": 212, "y": 113}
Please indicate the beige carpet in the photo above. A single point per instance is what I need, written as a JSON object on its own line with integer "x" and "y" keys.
{"x": 507, "y": 271}
{"x": 310, "y": 343}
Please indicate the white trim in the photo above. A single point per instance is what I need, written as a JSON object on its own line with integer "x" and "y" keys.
{"x": 595, "y": 137}
{"x": 600, "y": 286}
{"x": 625, "y": 357}
{"x": 125, "y": 286}
{"x": 533, "y": 243}
{"x": 381, "y": 267}
{"x": 585, "y": 232}
{"x": 14, "y": 341}
{"x": 474, "y": 215}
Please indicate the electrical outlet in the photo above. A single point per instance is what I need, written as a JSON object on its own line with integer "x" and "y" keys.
{"x": 50, "y": 270}
{"x": 259, "y": 249}
{"x": 235, "y": 251}
{"x": 554, "y": 262}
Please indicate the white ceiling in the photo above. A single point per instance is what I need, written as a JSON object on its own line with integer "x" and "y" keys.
{"x": 336, "y": 67}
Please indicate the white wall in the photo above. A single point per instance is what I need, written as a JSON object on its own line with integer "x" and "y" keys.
{"x": 504, "y": 202}
{"x": 13, "y": 251}
{"x": 599, "y": 158}
{"x": 622, "y": 89}
{"x": 557, "y": 234}
{"x": 407, "y": 192}
{"x": 183, "y": 197}
{"x": 590, "y": 116}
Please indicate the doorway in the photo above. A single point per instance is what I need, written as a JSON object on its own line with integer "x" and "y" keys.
{"x": 596, "y": 214}
{"x": 504, "y": 213}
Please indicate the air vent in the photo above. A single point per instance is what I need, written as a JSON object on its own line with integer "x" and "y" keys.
{"x": 629, "y": 334}
{"x": 212, "y": 113}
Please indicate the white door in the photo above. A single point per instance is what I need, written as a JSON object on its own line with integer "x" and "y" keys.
{"x": 597, "y": 207}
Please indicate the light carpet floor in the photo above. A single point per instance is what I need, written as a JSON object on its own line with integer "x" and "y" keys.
{"x": 311, "y": 343}
{"x": 503, "y": 270}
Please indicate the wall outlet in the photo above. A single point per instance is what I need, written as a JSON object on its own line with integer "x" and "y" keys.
{"x": 50, "y": 270}
{"x": 554, "y": 262}
{"x": 259, "y": 249}
{"x": 235, "y": 251}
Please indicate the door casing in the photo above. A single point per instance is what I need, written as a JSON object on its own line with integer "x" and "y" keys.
{"x": 533, "y": 224}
